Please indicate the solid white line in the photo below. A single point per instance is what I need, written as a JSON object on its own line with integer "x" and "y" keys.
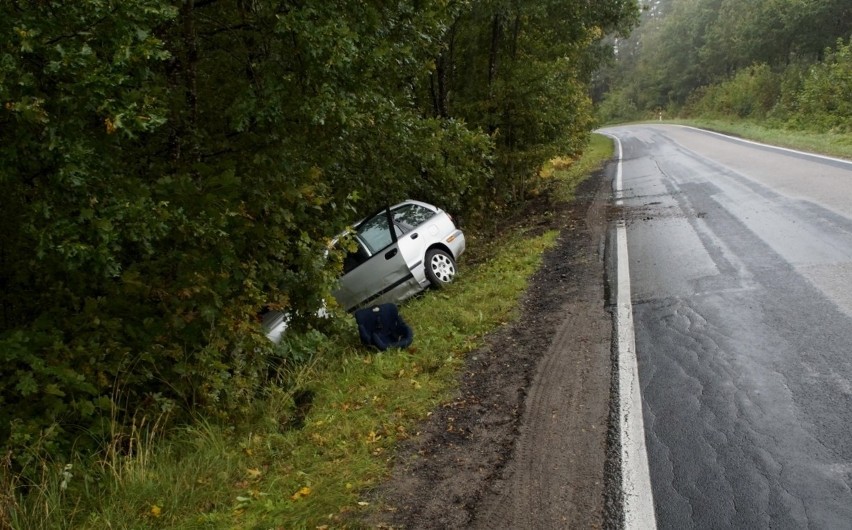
{"x": 752, "y": 142}
{"x": 635, "y": 475}
{"x": 619, "y": 183}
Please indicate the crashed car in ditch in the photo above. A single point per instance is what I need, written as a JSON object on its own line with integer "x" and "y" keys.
{"x": 398, "y": 252}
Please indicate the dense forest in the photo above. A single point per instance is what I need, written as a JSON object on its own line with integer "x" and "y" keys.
{"x": 168, "y": 168}
{"x": 786, "y": 61}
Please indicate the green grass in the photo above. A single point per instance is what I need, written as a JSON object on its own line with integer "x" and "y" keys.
{"x": 600, "y": 149}
{"x": 827, "y": 143}
{"x": 277, "y": 469}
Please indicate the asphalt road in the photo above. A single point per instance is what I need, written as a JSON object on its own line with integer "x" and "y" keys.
{"x": 741, "y": 275}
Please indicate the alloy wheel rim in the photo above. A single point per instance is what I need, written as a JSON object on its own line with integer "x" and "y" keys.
{"x": 443, "y": 268}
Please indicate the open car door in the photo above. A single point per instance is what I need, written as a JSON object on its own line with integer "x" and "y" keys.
{"x": 377, "y": 271}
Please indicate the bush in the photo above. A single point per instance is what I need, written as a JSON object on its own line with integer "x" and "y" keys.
{"x": 790, "y": 80}
{"x": 825, "y": 99}
{"x": 618, "y": 107}
{"x": 750, "y": 93}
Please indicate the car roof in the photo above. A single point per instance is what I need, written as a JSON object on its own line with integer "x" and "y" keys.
{"x": 421, "y": 203}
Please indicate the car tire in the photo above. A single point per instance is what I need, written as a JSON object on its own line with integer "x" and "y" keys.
{"x": 440, "y": 267}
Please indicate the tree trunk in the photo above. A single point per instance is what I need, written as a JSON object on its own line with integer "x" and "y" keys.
{"x": 494, "y": 52}
{"x": 440, "y": 82}
{"x": 190, "y": 79}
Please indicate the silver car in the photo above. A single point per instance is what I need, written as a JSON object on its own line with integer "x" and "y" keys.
{"x": 400, "y": 251}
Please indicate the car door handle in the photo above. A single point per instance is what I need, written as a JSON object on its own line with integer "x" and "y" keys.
{"x": 391, "y": 253}
{"x": 415, "y": 235}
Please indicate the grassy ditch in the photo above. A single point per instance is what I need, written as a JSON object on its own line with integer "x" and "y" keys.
{"x": 323, "y": 433}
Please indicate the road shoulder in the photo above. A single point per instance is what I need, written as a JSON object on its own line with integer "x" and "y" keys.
{"x": 524, "y": 442}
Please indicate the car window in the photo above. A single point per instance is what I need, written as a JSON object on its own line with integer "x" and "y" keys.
{"x": 409, "y": 216}
{"x": 375, "y": 233}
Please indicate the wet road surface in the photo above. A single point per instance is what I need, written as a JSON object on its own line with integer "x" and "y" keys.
{"x": 741, "y": 272}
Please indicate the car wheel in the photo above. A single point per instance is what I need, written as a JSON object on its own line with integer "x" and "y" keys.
{"x": 440, "y": 267}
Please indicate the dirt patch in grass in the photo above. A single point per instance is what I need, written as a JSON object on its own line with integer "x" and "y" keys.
{"x": 523, "y": 444}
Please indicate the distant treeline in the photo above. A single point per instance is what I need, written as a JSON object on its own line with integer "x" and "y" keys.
{"x": 781, "y": 60}
{"x": 170, "y": 168}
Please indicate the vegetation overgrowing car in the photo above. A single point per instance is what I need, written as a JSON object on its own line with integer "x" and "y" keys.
{"x": 398, "y": 252}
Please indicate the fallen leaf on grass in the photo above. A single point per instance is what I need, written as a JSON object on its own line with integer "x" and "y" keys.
{"x": 373, "y": 437}
{"x": 303, "y": 492}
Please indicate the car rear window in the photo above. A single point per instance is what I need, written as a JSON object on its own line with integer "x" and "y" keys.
{"x": 409, "y": 216}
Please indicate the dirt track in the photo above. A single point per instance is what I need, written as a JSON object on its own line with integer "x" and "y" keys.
{"x": 524, "y": 444}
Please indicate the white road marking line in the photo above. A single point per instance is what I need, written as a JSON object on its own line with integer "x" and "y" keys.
{"x": 635, "y": 475}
